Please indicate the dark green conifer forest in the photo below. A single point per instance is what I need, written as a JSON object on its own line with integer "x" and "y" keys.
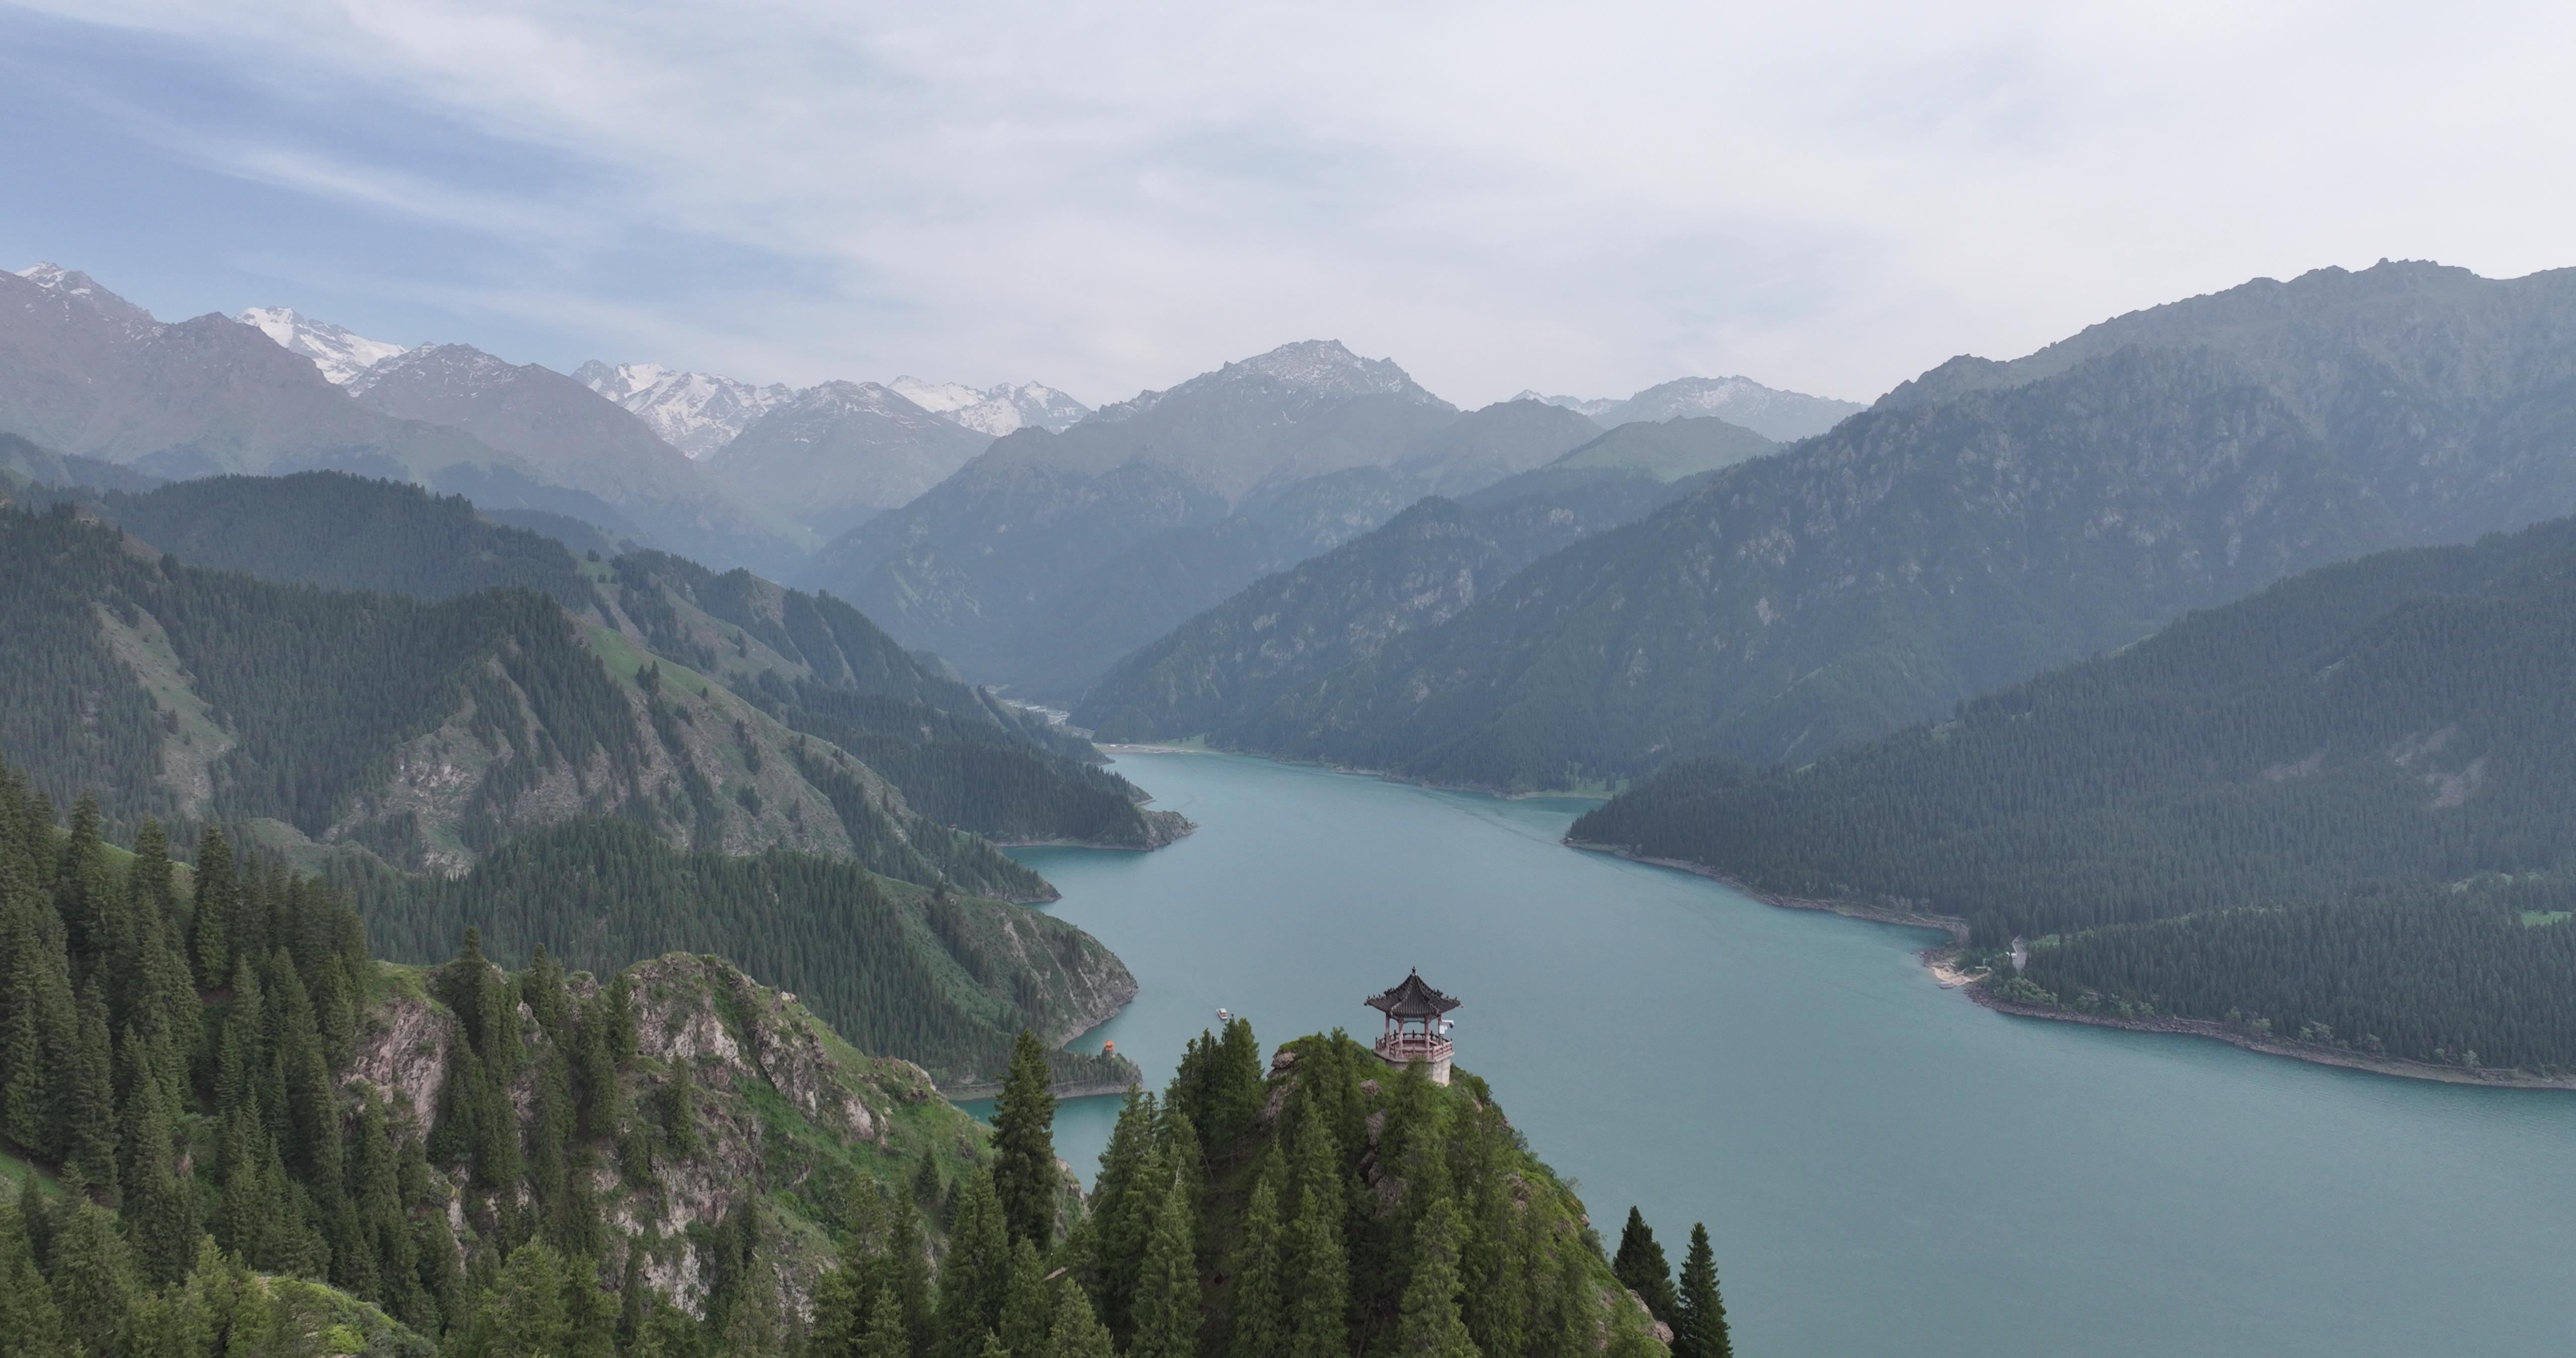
{"x": 938, "y": 978}
{"x": 211, "y": 1082}
{"x": 2339, "y": 812}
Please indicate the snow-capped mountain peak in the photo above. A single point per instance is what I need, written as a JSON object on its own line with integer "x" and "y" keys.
{"x": 339, "y": 352}
{"x": 696, "y": 413}
{"x": 995, "y": 410}
{"x": 75, "y": 284}
{"x": 1591, "y": 406}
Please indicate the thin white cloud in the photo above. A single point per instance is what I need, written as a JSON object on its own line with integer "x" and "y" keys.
{"x": 1590, "y": 198}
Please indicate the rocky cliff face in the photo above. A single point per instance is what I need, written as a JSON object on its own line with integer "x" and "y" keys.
{"x": 786, "y": 1116}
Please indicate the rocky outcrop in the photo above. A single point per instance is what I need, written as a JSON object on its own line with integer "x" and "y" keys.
{"x": 784, "y": 1116}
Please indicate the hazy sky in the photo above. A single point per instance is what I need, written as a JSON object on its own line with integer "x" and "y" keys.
{"x": 1112, "y": 197}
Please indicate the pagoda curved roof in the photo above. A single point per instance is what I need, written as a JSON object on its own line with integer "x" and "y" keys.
{"x": 1411, "y": 998}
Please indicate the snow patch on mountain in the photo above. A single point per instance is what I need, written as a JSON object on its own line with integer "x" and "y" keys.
{"x": 75, "y": 284}
{"x": 995, "y": 410}
{"x": 1592, "y": 406}
{"x": 339, "y": 352}
{"x": 1768, "y": 411}
{"x": 696, "y": 413}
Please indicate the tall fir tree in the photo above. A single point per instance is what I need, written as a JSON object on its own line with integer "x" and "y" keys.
{"x": 1024, "y": 1173}
{"x": 976, "y": 1275}
{"x": 1167, "y": 1287}
{"x": 1699, "y": 1328}
{"x": 31, "y": 1326}
{"x": 217, "y": 899}
{"x": 1641, "y": 1267}
{"x": 1076, "y": 1331}
{"x": 1430, "y": 1325}
{"x": 1319, "y": 1274}
{"x": 1260, "y": 1305}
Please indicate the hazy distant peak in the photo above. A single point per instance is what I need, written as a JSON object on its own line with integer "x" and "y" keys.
{"x": 696, "y": 413}
{"x": 1594, "y": 406}
{"x": 73, "y": 283}
{"x": 937, "y": 397}
{"x": 340, "y": 353}
{"x": 995, "y": 410}
{"x": 461, "y": 366}
{"x": 1328, "y": 368}
{"x": 1317, "y": 368}
{"x": 1768, "y": 411}
{"x": 617, "y": 381}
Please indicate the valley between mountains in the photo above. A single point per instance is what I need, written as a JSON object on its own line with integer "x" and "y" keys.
{"x": 479, "y": 844}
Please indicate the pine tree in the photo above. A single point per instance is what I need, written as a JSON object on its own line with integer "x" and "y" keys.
{"x": 218, "y": 897}
{"x": 31, "y": 1326}
{"x": 94, "y": 1284}
{"x": 1699, "y": 1331}
{"x": 44, "y": 1025}
{"x": 1024, "y": 1173}
{"x": 1026, "y": 1308}
{"x": 89, "y": 1097}
{"x": 1121, "y": 1208}
{"x": 525, "y": 1316}
{"x": 906, "y": 1269}
{"x": 1167, "y": 1287}
{"x": 1076, "y": 1331}
{"x": 1430, "y": 1325}
{"x": 885, "y": 1335}
{"x": 977, "y": 1272}
{"x": 1319, "y": 1275}
{"x": 82, "y": 896}
{"x": 588, "y": 1314}
{"x": 635, "y": 1304}
{"x": 1641, "y": 1268}
{"x": 1260, "y": 1307}
{"x": 160, "y": 1208}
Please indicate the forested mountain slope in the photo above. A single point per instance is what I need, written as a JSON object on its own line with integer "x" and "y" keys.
{"x": 2340, "y": 808}
{"x": 2453, "y": 396}
{"x": 679, "y": 1160}
{"x": 1222, "y": 669}
{"x": 940, "y": 978}
{"x": 816, "y": 666}
{"x": 423, "y": 731}
{"x": 1854, "y": 582}
{"x": 810, "y": 663}
{"x": 1965, "y": 534}
{"x": 345, "y": 532}
{"x": 658, "y": 1164}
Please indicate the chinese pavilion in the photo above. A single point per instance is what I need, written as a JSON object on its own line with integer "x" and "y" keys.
{"x": 1416, "y": 1029}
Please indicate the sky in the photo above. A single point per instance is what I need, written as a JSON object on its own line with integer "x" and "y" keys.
{"x": 1108, "y": 198}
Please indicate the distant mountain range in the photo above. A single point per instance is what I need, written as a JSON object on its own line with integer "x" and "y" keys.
{"x": 1050, "y": 555}
{"x": 1782, "y": 416}
{"x": 1983, "y": 523}
{"x": 696, "y": 413}
{"x": 837, "y": 454}
{"x": 995, "y": 410}
{"x": 340, "y": 353}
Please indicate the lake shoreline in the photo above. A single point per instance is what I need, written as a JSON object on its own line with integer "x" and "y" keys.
{"x": 1940, "y": 960}
{"x": 1502, "y": 794}
{"x": 1952, "y": 925}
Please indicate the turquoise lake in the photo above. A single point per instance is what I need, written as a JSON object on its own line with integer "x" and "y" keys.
{"x": 1885, "y": 1168}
